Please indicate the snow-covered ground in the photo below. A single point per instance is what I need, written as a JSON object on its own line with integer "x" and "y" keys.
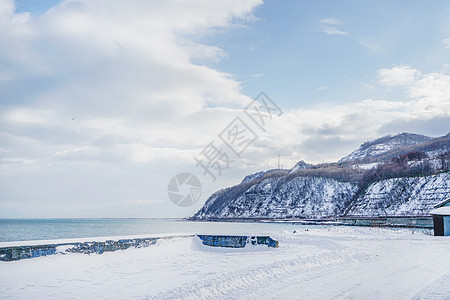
{"x": 312, "y": 263}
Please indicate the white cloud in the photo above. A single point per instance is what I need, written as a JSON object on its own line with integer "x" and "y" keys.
{"x": 94, "y": 87}
{"x": 257, "y": 75}
{"x": 446, "y": 42}
{"x": 259, "y": 44}
{"x": 432, "y": 95}
{"x": 328, "y": 132}
{"x": 370, "y": 45}
{"x": 330, "y": 26}
{"x": 6, "y": 8}
{"x": 398, "y": 76}
{"x": 205, "y": 52}
{"x": 331, "y": 21}
{"x": 333, "y": 31}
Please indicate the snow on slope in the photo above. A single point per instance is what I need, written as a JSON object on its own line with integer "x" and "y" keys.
{"x": 301, "y": 192}
{"x": 385, "y": 144}
{"x": 321, "y": 263}
{"x": 301, "y": 165}
{"x": 318, "y": 197}
{"x": 313, "y": 197}
{"x": 414, "y": 196}
{"x": 251, "y": 177}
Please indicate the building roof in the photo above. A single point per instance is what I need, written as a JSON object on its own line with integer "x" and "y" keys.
{"x": 441, "y": 211}
{"x": 442, "y": 203}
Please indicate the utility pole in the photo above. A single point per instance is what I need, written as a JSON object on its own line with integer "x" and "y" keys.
{"x": 278, "y": 162}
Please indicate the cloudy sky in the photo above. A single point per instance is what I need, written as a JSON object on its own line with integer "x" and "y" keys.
{"x": 102, "y": 102}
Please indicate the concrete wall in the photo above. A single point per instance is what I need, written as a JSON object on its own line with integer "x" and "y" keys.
{"x": 24, "y": 252}
{"x": 237, "y": 241}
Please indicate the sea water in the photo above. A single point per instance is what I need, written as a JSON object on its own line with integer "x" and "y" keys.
{"x": 12, "y": 230}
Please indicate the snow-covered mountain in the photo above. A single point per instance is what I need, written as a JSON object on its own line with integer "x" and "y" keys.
{"x": 385, "y": 144}
{"x": 315, "y": 197}
{"x": 410, "y": 196}
{"x": 408, "y": 179}
{"x": 280, "y": 197}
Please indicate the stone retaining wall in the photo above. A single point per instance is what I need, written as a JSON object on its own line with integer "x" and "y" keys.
{"x": 24, "y": 252}
{"x": 237, "y": 241}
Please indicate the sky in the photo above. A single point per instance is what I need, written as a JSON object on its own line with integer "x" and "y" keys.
{"x": 103, "y": 102}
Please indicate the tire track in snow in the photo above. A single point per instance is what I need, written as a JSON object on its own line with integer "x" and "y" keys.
{"x": 254, "y": 281}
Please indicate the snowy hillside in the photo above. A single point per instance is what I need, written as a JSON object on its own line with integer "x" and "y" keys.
{"x": 385, "y": 144}
{"x": 414, "y": 196}
{"x": 281, "y": 197}
{"x": 315, "y": 197}
{"x": 401, "y": 175}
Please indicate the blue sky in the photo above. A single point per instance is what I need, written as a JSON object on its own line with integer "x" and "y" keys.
{"x": 102, "y": 102}
{"x": 287, "y": 45}
{"x": 35, "y": 7}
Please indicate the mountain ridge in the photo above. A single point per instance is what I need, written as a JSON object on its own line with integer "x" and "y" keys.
{"x": 344, "y": 187}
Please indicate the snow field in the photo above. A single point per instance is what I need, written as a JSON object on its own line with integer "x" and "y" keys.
{"x": 312, "y": 263}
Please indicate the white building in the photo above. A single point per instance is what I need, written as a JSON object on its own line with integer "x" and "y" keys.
{"x": 441, "y": 218}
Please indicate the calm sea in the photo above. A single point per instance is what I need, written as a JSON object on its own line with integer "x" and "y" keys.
{"x": 47, "y": 229}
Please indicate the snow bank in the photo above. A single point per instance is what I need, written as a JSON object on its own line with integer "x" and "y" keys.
{"x": 99, "y": 247}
